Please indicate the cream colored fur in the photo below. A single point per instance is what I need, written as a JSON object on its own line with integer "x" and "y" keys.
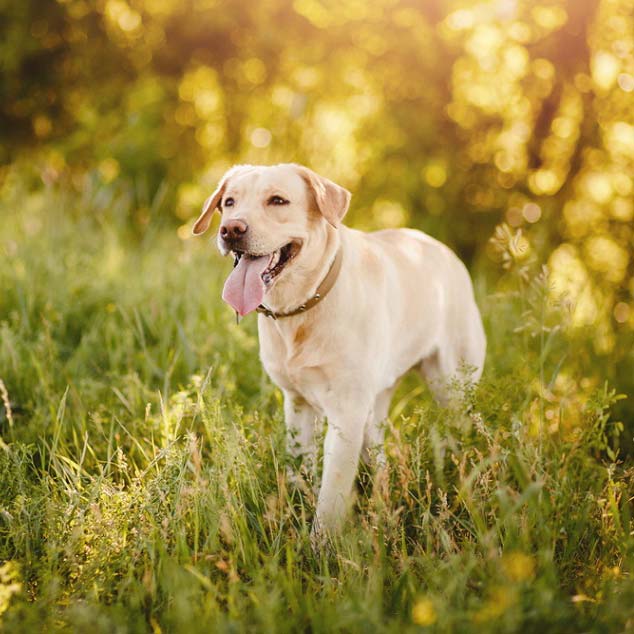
{"x": 402, "y": 300}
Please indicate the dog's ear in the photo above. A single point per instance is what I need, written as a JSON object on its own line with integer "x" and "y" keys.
{"x": 209, "y": 206}
{"x": 213, "y": 202}
{"x": 332, "y": 200}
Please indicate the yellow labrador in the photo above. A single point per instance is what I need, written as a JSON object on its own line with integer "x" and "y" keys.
{"x": 343, "y": 314}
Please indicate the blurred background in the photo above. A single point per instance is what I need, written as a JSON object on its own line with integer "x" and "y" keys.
{"x": 504, "y": 128}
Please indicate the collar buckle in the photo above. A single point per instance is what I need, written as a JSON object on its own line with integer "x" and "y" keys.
{"x": 266, "y": 311}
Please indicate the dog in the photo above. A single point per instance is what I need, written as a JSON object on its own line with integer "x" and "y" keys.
{"x": 343, "y": 314}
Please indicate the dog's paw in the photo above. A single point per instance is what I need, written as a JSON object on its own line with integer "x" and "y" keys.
{"x": 324, "y": 537}
{"x": 319, "y": 540}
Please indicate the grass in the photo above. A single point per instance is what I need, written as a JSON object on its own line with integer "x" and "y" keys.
{"x": 142, "y": 471}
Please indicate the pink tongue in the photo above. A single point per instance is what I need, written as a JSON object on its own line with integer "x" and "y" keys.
{"x": 244, "y": 288}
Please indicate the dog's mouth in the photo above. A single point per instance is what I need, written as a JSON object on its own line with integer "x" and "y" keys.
{"x": 254, "y": 273}
{"x": 278, "y": 260}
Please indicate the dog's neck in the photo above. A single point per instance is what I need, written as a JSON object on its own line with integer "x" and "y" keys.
{"x": 308, "y": 271}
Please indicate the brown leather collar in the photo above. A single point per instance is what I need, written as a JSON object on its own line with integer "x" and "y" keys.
{"x": 322, "y": 290}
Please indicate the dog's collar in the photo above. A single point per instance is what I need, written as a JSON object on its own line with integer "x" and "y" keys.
{"x": 322, "y": 290}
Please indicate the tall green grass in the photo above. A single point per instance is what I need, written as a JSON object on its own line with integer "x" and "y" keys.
{"x": 143, "y": 477}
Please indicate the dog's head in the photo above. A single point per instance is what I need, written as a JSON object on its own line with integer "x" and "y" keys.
{"x": 268, "y": 217}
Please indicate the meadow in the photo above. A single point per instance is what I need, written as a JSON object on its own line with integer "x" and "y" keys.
{"x": 143, "y": 477}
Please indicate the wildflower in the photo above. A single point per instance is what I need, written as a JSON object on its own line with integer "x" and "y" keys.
{"x": 9, "y": 584}
{"x": 582, "y": 598}
{"x": 424, "y": 613}
{"x": 518, "y": 566}
{"x": 500, "y": 599}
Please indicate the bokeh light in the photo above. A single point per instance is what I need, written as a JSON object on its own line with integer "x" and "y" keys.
{"x": 452, "y": 117}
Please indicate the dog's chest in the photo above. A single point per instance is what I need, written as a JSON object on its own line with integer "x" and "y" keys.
{"x": 293, "y": 358}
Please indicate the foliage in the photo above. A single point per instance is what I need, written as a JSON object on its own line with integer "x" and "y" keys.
{"x": 143, "y": 479}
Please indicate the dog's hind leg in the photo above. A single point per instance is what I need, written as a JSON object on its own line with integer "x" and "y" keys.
{"x": 373, "y": 453}
{"x": 443, "y": 365}
{"x": 437, "y": 369}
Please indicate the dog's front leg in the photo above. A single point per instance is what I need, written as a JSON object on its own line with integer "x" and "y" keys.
{"x": 301, "y": 428}
{"x": 342, "y": 448}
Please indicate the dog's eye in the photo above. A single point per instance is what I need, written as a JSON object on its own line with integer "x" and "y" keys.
{"x": 277, "y": 200}
{"x": 228, "y": 202}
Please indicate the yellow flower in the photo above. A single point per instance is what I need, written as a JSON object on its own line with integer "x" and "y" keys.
{"x": 9, "y": 584}
{"x": 424, "y": 613}
{"x": 518, "y": 566}
{"x": 501, "y": 598}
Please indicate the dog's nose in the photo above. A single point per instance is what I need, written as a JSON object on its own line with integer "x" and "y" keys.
{"x": 233, "y": 230}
